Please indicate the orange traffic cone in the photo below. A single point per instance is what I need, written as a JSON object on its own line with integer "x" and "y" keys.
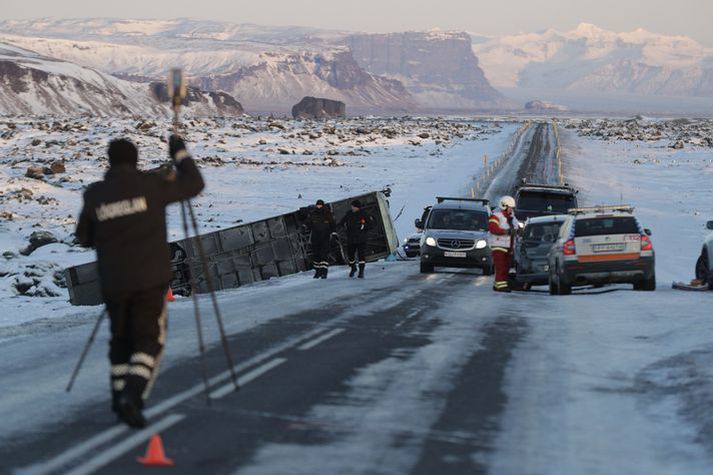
{"x": 155, "y": 455}
{"x": 169, "y": 296}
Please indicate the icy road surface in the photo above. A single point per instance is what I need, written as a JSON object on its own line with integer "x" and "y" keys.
{"x": 406, "y": 373}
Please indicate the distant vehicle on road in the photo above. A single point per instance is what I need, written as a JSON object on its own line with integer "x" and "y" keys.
{"x": 601, "y": 245}
{"x": 412, "y": 245}
{"x": 533, "y": 200}
{"x": 704, "y": 265}
{"x": 532, "y": 249}
{"x": 455, "y": 234}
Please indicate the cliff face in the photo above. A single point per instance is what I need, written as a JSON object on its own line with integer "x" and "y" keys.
{"x": 440, "y": 69}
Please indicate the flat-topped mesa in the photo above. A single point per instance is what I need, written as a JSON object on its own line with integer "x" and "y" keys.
{"x": 438, "y": 68}
{"x": 318, "y": 108}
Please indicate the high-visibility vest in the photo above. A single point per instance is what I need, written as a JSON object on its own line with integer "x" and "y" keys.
{"x": 500, "y": 238}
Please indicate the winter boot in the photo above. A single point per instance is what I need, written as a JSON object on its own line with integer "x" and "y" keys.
{"x": 325, "y": 271}
{"x": 354, "y": 271}
{"x": 129, "y": 412}
{"x": 361, "y": 271}
{"x": 317, "y": 273}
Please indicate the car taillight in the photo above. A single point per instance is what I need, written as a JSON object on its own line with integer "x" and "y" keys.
{"x": 646, "y": 243}
{"x": 568, "y": 248}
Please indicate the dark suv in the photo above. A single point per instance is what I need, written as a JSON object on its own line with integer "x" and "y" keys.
{"x": 455, "y": 234}
{"x": 533, "y": 200}
{"x": 533, "y": 247}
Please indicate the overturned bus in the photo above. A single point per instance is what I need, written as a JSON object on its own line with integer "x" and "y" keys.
{"x": 251, "y": 252}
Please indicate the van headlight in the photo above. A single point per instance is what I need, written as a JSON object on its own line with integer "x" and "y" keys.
{"x": 431, "y": 242}
{"x": 482, "y": 244}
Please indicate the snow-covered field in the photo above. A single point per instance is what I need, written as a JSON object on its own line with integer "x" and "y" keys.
{"x": 255, "y": 168}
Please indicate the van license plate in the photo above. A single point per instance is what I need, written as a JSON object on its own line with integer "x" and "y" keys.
{"x": 454, "y": 254}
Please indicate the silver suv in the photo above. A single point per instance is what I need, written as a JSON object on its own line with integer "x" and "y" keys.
{"x": 601, "y": 245}
{"x": 455, "y": 234}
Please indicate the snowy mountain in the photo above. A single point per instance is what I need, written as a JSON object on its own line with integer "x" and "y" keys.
{"x": 279, "y": 81}
{"x": 266, "y": 68}
{"x": 592, "y": 59}
{"x": 34, "y": 84}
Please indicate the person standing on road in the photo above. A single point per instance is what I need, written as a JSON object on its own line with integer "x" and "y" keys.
{"x": 124, "y": 218}
{"x": 503, "y": 227}
{"x": 321, "y": 222}
{"x": 358, "y": 224}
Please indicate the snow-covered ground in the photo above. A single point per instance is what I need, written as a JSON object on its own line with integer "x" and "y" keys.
{"x": 255, "y": 168}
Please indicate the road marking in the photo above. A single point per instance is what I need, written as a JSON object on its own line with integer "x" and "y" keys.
{"x": 97, "y": 440}
{"x": 481, "y": 280}
{"x": 219, "y": 378}
{"x": 245, "y": 379}
{"x": 311, "y": 344}
{"x": 75, "y": 452}
{"x": 126, "y": 445}
{"x": 408, "y": 317}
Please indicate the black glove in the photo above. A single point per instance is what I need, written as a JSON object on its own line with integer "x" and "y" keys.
{"x": 175, "y": 145}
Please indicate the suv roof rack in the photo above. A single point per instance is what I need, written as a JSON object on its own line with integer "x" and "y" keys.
{"x": 603, "y": 208}
{"x": 441, "y": 199}
{"x": 566, "y": 186}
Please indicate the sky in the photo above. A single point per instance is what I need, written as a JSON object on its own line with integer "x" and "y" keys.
{"x": 494, "y": 17}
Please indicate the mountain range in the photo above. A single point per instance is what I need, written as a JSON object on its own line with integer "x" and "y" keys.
{"x": 108, "y": 64}
{"x": 591, "y": 59}
{"x": 32, "y": 84}
{"x": 272, "y": 68}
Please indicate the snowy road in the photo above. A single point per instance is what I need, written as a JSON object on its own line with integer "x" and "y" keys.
{"x": 343, "y": 375}
{"x": 401, "y": 372}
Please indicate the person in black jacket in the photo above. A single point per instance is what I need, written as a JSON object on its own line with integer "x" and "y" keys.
{"x": 124, "y": 218}
{"x": 321, "y": 222}
{"x": 358, "y": 224}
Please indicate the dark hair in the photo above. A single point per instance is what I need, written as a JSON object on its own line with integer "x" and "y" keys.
{"x": 122, "y": 152}
{"x": 320, "y": 202}
{"x": 356, "y": 204}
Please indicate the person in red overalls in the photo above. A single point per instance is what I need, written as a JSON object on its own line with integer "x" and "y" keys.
{"x": 503, "y": 227}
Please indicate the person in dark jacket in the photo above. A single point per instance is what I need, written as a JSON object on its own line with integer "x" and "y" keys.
{"x": 357, "y": 224}
{"x": 321, "y": 222}
{"x": 124, "y": 219}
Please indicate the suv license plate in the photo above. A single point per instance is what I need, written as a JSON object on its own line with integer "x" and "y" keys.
{"x": 609, "y": 247}
{"x": 454, "y": 254}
